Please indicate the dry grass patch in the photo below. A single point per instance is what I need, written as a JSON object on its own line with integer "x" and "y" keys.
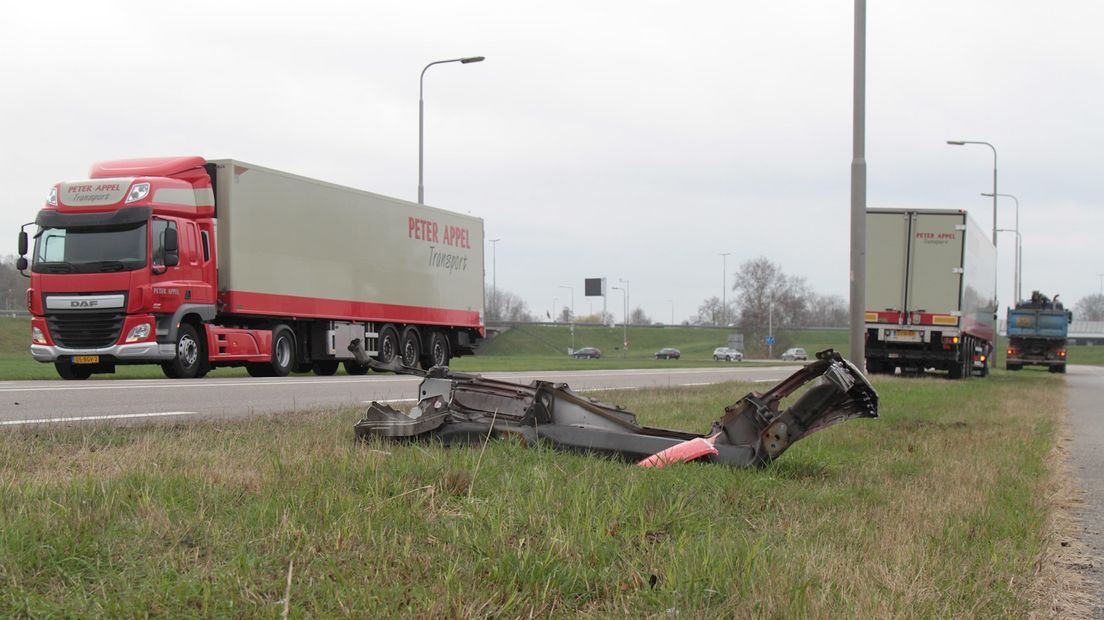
{"x": 937, "y": 509}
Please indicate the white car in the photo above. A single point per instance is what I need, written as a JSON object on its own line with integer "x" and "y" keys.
{"x": 727, "y": 354}
{"x": 796, "y": 353}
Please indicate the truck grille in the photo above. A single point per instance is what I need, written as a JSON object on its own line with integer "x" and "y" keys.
{"x": 85, "y": 330}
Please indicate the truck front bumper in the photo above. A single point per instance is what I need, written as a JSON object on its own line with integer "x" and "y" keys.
{"x": 137, "y": 352}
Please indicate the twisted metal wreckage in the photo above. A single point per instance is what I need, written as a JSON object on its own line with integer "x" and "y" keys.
{"x": 461, "y": 408}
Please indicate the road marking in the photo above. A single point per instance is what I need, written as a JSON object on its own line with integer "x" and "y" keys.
{"x": 93, "y": 418}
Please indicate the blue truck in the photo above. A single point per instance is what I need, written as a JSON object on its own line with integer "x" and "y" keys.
{"x": 1037, "y": 330}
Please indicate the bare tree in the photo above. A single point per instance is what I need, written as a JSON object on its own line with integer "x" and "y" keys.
{"x": 710, "y": 313}
{"x": 565, "y": 315}
{"x": 1089, "y": 308}
{"x": 826, "y": 311}
{"x": 503, "y": 305}
{"x": 769, "y": 294}
{"x": 637, "y": 317}
{"x": 13, "y": 286}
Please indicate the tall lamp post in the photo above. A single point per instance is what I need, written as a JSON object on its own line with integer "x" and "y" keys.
{"x": 572, "y": 314}
{"x": 1018, "y": 244}
{"x": 494, "y": 276}
{"x": 672, "y": 311}
{"x": 724, "y": 287}
{"x": 856, "y": 337}
{"x": 421, "y": 113}
{"x": 625, "y": 321}
{"x": 1018, "y": 289}
{"x": 626, "y": 283}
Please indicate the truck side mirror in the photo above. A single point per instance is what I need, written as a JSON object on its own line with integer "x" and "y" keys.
{"x": 21, "y": 263}
{"x": 23, "y": 243}
{"x": 1069, "y": 316}
{"x": 172, "y": 248}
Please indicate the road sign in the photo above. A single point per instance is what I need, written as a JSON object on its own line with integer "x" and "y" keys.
{"x": 770, "y": 340}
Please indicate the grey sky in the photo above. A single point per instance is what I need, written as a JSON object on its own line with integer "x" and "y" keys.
{"x": 632, "y": 140}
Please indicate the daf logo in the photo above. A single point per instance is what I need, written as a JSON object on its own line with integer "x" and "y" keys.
{"x": 83, "y": 303}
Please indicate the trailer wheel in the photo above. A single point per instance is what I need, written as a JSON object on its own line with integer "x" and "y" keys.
{"x": 353, "y": 368}
{"x": 72, "y": 372}
{"x": 388, "y": 344}
{"x": 1058, "y": 369}
{"x": 1011, "y": 366}
{"x": 283, "y": 351}
{"x": 190, "y": 360}
{"x": 411, "y": 347}
{"x": 325, "y": 368}
{"x": 438, "y": 351}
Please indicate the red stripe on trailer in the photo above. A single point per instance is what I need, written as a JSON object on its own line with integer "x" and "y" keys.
{"x": 244, "y": 302}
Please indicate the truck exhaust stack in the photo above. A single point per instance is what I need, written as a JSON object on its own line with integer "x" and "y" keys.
{"x": 459, "y": 408}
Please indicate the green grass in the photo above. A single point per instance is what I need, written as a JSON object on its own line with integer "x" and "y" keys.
{"x": 528, "y": 347}
{"x": 935, "y": 510}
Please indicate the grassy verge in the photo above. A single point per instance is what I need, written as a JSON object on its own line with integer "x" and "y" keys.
{"x": 935, "y": 510}
{"x": 529, "y": 347}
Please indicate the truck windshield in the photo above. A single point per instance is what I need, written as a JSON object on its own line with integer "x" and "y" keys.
{"x": 92, "y": 249}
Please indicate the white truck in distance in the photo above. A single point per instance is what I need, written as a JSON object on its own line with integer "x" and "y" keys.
{"x": 930, "y": 292}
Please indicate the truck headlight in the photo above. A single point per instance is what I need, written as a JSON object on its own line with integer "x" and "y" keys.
{"x": 137, "y": 192}
{"x": 138, "y": 333}
{"x": 37, "y": 336}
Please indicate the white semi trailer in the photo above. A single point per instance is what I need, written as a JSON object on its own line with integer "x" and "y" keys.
{"x": 930, "y": 292}
{"x": 193, "y": 264}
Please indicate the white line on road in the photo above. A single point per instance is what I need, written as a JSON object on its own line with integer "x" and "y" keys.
{"x": 93, "y": 418}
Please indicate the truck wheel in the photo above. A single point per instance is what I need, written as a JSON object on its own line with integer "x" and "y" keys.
{"x": 353, "y": 368}
{"x": 283, "y": 351}
{"x": 72, "y": 372}
{"x": 1010, "y": 366}
{"x": 411, "y": 347}
{"x": 190, "y": 360}
{"x": 438, "y": 353}
{"x": 325, "y": 368}
{"x": 388, "y": 344}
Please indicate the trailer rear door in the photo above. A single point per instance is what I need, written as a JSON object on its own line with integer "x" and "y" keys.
{"x": 887, "y": 240}
{"x": 935, "y": 266}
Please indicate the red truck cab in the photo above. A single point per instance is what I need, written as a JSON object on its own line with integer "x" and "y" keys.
{"x": 118, "y": 262}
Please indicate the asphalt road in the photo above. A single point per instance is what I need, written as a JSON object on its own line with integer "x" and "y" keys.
{"x": 34, "y": 402}
{"x": 1085, "y": 395}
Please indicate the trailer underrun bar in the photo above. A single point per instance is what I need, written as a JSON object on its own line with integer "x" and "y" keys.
{"x": 461, "y": 408}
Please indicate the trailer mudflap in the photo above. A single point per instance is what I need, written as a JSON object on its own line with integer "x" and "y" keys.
{"x": 460, "y": 408}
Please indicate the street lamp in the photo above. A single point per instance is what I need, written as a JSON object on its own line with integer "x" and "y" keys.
{"x": 625, "y": 321}
{"x": 494, "y": 276}
{"x": 421, "y": 115}
{"x": 1019, "y": 249}
{"x": 626, "y": 295}
{"x": 994, "y": 149}
{"x": 1101, "y": 276}
{"x": 672, "y": 311}
{"x": 724, "y": 287}
{"x": 1019, "y": 242}
{"x": 572, "y": 314}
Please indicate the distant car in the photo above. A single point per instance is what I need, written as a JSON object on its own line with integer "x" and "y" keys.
{"x": 668, "y": 354}
{"x": 796, "y": 353}
{"x": 592, "y": 353}
{"x": 727, "y": 354}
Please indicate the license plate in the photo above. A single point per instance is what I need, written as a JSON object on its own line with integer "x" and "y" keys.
{"x": 86, "y": 359}
{"x": 906, "y": 333}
